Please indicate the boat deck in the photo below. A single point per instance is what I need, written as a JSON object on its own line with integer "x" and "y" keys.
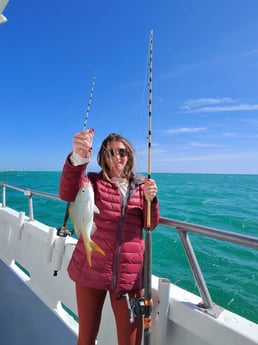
{"x": 25, "y": 319}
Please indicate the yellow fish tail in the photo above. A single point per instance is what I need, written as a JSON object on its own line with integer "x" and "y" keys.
{"x": 89, "y": 247}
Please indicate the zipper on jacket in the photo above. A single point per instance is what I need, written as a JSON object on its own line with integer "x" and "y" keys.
{"x": 118, "y": 247}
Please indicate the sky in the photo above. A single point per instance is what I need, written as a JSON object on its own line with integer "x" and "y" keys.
{"x": 204, "y": 82}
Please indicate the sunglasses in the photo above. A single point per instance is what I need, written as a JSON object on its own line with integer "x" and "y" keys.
{"x": 110, "y": 153}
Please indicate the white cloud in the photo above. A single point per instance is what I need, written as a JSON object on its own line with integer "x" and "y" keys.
{"x": 205, "y": 101}
{"x": 182, "y": 130}
{"x": 208, "y": 105}
{"x": 196, "y": 144}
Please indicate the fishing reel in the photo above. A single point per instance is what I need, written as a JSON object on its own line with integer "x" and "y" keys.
{"x": 63, "y": 232}
{"x": 136, "y": 306}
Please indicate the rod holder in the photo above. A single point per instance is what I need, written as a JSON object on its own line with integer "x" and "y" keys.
{"x": 59, "y": 248}
{"x": 20, "y": 225}
{"x": 161, "y": 319}
{"x": 50, "y": 243}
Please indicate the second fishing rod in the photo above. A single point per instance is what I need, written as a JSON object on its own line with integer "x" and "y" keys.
{"x": 143, "y": 306}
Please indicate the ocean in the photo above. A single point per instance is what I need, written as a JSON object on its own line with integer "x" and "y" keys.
{"x": 227, "y": 202}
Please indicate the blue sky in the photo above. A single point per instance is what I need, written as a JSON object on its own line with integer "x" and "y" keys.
{"x": 205, "y": 81}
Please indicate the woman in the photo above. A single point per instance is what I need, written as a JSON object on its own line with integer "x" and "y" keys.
{"x": 120, "y": 195}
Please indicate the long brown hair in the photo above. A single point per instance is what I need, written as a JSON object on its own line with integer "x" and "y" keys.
{"x": 101, "y": 158}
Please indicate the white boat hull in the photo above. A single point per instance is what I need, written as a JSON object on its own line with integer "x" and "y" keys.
{"x": 176, "y": 317}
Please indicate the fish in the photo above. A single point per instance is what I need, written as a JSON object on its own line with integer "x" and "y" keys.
{"x": 81, "y": 212}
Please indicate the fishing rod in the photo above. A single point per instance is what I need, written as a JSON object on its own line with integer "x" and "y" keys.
{"x": 66, "y": 216}
{"x": 89, "y": 103}
{"x": 148, "y": 238}
{"x": 63, "y": 232}
{"x": 143, "y": 305}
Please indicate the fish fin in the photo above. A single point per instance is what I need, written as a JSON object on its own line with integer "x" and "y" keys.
{"x": 94, "y": 228}
{"x": 96, "y": 247}
{"x": 88, "y": 253}
{"x": 96, "y": 210}
{"x": 89, "y": 247}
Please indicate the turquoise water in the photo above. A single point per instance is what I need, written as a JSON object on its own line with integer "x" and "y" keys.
{"x": 228, "y": 202}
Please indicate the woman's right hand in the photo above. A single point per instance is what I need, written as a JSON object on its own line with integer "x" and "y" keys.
{"x": 82, "y": 143}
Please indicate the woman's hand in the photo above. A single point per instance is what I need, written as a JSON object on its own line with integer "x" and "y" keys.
{"x": 82, "y": 143}
{"x": 150, "y": 189}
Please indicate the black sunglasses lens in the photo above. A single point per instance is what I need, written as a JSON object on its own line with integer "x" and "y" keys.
{"x": 121, "y": 152}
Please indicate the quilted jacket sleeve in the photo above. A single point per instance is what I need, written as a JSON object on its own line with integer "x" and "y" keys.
{"x": 71, "y": 180}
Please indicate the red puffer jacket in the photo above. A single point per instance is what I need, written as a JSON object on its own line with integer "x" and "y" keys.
{"x": 119, "y": 232}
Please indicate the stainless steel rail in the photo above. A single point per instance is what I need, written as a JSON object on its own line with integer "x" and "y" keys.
{"x": 27, "y": 192}
{"x": 183, "y": 229}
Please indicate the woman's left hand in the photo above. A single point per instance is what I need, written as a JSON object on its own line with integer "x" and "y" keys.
{"x": 150, "y": 189}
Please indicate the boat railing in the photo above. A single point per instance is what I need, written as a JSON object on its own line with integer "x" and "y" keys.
{"x": 27, "y": 192}
{"x": 183, "y": 229}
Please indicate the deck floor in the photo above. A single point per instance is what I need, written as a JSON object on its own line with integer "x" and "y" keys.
{"x": 25, "y": 319}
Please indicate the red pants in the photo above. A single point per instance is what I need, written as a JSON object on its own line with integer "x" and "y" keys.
{"x": 90, "y": 303}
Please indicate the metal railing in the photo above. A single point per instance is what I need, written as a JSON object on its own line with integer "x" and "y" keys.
{"x": 183, "y": 229}
{"x": 27, "y": 192}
